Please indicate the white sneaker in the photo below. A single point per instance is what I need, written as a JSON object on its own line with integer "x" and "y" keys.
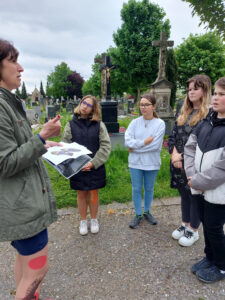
{"x": 94, "y": 226}
{"x": 83, "y": 227}
{"x": 189, "y": 238}
{"x": 179, "y": 232}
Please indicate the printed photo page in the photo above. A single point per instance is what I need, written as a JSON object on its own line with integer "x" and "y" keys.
{"x": 68, "y": 159}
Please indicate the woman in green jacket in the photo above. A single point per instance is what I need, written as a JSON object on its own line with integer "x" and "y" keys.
{"x": 27, "y": 203}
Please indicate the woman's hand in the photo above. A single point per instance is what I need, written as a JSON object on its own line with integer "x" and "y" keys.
{"x": 49, "y": 144}
{"x": 178, "y": 165}
{"x": 130, "y": 149}
{"x": 189, "y": 181}
{"x": 88, "y": 167}
{"x": 148, "y": 140}
{"x": 176, "y": 157}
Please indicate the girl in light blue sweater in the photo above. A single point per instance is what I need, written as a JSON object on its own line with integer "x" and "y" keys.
{"x": 144, "y": 138}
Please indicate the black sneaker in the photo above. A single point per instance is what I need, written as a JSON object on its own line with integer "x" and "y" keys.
{"x": 135, "y": 222}
{"x": 202, "y": 264}
{"x": 210, "y": 275}
{"x": 150, "y": 218}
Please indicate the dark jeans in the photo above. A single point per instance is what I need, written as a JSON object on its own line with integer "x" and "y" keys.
{"x": 189, "y": 208}
{"x": 212, "y": 217}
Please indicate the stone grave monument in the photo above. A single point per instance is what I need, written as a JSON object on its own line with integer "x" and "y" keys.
{"x": 161, "y": 88}
{"x": 108, "y": 106}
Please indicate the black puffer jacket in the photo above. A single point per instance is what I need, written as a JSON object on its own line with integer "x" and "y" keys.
{"x": 86, "y": 133}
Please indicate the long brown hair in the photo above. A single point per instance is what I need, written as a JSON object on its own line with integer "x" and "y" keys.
{"x": 152, "y": 99}
{"x": 95, "y": 114}
{"x": 6, "y": 49}
{"x": 204, "y": 82}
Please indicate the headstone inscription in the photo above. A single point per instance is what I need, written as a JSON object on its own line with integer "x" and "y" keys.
{"x": 161, "y": 88}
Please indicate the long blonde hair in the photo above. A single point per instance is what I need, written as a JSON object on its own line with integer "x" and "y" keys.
{"x": 95, "y": 114}
{"x": 204, "y": 82}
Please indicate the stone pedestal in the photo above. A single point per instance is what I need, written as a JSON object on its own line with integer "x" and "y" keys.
{"x": 109, "y": 115}
{"x": 162, "y": 90}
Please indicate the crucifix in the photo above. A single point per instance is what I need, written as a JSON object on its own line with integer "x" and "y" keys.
{"x": 100, "y": 60}
{"x": 163, "y": 44}
{"x": 107, "y": 67}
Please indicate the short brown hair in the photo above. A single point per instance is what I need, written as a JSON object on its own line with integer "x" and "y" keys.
{"x": 95, "y": 114}
{"x": 220, "y": 82}
{"x": 152, "y": 99}
{"x": 6, "y": 49}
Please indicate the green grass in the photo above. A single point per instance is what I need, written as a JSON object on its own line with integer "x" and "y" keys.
{"x": 118, "y": 186}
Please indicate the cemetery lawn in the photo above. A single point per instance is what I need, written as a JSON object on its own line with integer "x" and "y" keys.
{"x": 118, "y": 186}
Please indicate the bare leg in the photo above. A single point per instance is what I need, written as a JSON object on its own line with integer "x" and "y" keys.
{"x": 82, "y": 197}
{"x": 93, "y": 203}
{"x": 34, "y": 269}
{"x": 18, "y": 273}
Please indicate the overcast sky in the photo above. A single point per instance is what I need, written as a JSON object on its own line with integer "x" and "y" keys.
{"x": 47, "y": 32}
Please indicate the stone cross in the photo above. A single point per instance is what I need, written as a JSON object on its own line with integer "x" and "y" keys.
{"x": 163, "y": 44}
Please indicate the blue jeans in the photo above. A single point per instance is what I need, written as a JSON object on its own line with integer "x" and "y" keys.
{"x": 137, "y": 177}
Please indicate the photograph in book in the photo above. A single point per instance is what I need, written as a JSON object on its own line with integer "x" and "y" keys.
{"x": 58, "y": 154}
{"x": 68, "y": 159}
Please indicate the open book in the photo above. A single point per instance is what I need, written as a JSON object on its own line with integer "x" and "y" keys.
{"x": 68, "y": 159}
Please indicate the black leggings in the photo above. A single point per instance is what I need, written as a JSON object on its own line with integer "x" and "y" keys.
{"x": 189, "y": 208}
{"x": 213, "y": 219}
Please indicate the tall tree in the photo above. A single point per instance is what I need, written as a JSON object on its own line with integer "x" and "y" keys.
{"x": 93, "y": 84}
{"x": 142, "y": 23}
{"x": 200, "y": 54}
{"x": 24, "y": 92}
{"x": 76, "y": 83}
{"x": 57, "y": 82}
{"x": 211, "y": 12}
{"x": 42, "y": 92}
{"x": 17, "y": 92}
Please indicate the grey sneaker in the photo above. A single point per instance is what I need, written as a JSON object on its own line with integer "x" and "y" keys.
{"x": 150, "y": 218}
{"x": 202, "y": 264}
{"x": 135, "y": 222}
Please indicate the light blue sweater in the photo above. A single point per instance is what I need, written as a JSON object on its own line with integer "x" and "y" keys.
{"x": 145, "y": 157}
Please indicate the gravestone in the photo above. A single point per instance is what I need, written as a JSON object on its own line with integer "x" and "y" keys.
{"x": 161, "y": 88}
{"x": 32, "y": 116}
{"x": 130, "y": 105}
{"x": 70, "y": 107}
{"x": 120, "y": 108}
{"x": 50, "y": 111}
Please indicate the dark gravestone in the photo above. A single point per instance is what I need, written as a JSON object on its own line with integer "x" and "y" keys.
{"x": 70, "y": 107}
{"x": 109, "y": 107}
{"x": 50, "y": 111}
{"x": 130, "y": 106}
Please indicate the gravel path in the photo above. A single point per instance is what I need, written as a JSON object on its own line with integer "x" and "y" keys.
{"x": 118, "y": 263}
